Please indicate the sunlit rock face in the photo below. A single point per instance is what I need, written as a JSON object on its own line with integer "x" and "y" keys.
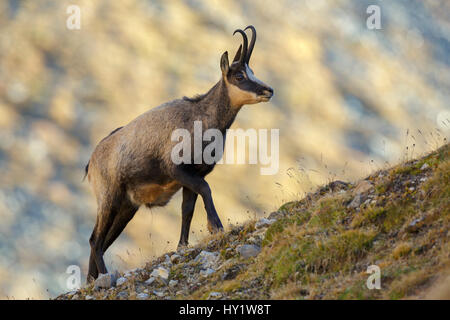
{"x": 348, "y": 100}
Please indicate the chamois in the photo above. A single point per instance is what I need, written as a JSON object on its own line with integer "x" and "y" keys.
{"x": 133, "y": 167}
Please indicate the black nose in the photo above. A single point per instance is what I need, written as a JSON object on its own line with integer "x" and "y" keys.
{"x": 268, "y": 91}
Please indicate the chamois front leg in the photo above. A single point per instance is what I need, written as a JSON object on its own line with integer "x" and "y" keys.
{"x": 187, "y": 210}
{"x": 200, "y": 186}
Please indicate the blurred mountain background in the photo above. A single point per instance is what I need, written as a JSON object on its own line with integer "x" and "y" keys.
{"x": 348, "y": 100}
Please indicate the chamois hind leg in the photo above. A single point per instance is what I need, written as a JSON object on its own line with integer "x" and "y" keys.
{"x": 125, "y": 214}
{"x": 105, "y": 217}
{"x": 93, "y": 271}
{"x": 187, "y": 210}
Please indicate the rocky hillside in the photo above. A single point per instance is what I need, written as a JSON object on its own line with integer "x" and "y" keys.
{"x": 316, "y": 248}
{"x": 344, "y": 97}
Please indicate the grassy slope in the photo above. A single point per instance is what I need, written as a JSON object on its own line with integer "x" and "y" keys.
{"x": 320, "y": 246}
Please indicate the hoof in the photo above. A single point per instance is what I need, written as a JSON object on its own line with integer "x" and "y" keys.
{"x": 215, "y": 228}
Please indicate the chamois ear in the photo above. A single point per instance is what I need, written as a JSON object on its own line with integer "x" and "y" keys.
{"x": 224, "y": 65}
{"x": 238, "y": 54}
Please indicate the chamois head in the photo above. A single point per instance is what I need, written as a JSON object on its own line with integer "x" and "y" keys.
{"x": 243, "y": 87}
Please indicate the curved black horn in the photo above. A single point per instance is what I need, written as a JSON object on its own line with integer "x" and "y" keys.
{"x": 252, "y": 43}
{"x": 242, "y": 59}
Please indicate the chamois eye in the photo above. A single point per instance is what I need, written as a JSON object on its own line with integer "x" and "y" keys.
{"x": 239, "y": 77}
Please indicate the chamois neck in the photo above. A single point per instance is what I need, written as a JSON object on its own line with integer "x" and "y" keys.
{"x": 218, "y": 102}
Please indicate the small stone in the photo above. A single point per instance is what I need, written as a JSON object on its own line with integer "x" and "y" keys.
{"x": 415, "y": 225}
{"x": 412, "y": 189}
{"x": 356, "y": 202}
{"x": 263, "y": 222}
{"x": 173, "y": 283}
{"x": 275, "y": 215}
{"x": 232, "y": 272}
{"x": 121, "y": 281}
{"x": 362, "y": 187}
{"x": 424, "y": 166}
{"x": 75, "y": 297}
{"x": 142, "y": 296}
{"x": 159, "y": 293}
{"x": 175, "y": 258}
{"x": 207, "y": 259}
{"x": 106, "y": 280}
{"x": 88, "y": 297}
{"x": 248, "y": 250}
{"x": 149, "y": 281}
{"x": 161, "y": 274}
{"x": 71, "y": 293}
{"x": 122, "y": 295}
{"x": 253, "y": 240}
{"x": 207, "y": 272}
{"x": 215, "y": 295}
{"x": 180, "y": 293}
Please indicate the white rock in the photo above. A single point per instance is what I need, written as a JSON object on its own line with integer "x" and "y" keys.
{"x": 424, "y": 166}
{"x": 215, "y": 295}
{"x": 106, "y": 280}
{"x": 207, "y": 272}
{"x": 207, "y": 259}
{"x": 159, "y": 293}
{"x": 263, "y": 222}
{"x": 121, "y": 281}
{"x": 142, "y": 296}
{"x": 356, "y": 202}
{"x": 88, "y": 297}
{"x": 149, "y": 281}
{"x": 173, "y": 283}
{"x": 248, "y": 250}
{"x": 122, "y": 295}
{"x": 362, "y": 187}
{"x": 160, "y": 272}
{"x": 175, "y": 258}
